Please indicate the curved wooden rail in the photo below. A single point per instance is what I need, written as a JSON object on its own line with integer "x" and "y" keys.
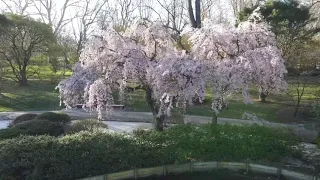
{"x": 204, "y": 166}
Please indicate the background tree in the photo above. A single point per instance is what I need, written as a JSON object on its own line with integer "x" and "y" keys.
{"x": 86, "y": 17}
{"x": 49, "y": 13}
{"x": 21, "y": 40}
{"x": 293, "y": 25}
{"x": 19, "y": 7}
{"x": 238, "y": 58}
{"x": 291, "y": 22}
{"x": 119, "y": 14}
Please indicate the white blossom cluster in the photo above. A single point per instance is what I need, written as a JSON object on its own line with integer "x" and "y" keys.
{"x": 227, "y": 60}
{"x": 236, "y": 58}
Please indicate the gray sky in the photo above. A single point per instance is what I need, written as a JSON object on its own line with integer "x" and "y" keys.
{"x": 219, "y": 8}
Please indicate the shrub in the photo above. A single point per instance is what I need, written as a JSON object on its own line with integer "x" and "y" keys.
{"x": 10, "y": 133}
{"x": 93, "y": 153}
{"x": 223, "y": 142}
{"x": 85, "y": 125}
{"x": 40, "y": 127}
{"x": 315, "y": 110}
{"x": 54, "y": 117}
{"x": 22, "y": 118}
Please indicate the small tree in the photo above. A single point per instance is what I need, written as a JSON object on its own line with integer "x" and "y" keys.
{"x": 296, "y": 96}
{"x": 20, "y": 40}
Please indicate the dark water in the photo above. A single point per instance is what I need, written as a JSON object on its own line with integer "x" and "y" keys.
{"x": 211, "y": 176}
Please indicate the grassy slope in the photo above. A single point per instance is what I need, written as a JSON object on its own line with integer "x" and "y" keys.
{"x": 39, "y": 95}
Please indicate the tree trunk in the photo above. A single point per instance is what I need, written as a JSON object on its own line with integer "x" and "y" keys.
{"x": 262, "y": 96}
{"x": 198, "y": 13}
{"x": 23, "y": 81}
{"x": 158, "y": 121}
{"x": 158, "y": 124}
{"x": 214, "y": 118}
{"x": 191, "y": 15}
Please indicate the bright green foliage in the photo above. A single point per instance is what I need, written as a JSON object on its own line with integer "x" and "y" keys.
{"x": 223, "y": 142}
{"x": 22, "y": 38}
{"x": 291, "y": 23}
{"x": 287, "y": 15}
{"x": 93, "y": 153}
{"x": 244, "y": 14}
{"x": 86, "y": 125}
{"x": 22, "y": 118}
{"x": 54, "y": 117}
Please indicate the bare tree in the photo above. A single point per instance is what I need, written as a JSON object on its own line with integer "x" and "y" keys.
{"x": 120, "y": 13}
{"x": 296, "y": 96}
{"x": 126, "y": 9}
{"x": 49, "y": 13}
{"x": 207, "y": 8}
{"x": 175, "y": 14}
{"x": 86, "y": 18}
{"x": 15, "y": 6}
{"x": 144, "y": 10}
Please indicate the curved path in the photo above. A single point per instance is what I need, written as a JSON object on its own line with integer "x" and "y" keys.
{"x": 120, "y": 121}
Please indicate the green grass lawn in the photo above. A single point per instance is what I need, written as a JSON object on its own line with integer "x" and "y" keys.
{"x": 236, "y": 108}
{"x": 270, "y": 111}
{"x": 40, "y": 95}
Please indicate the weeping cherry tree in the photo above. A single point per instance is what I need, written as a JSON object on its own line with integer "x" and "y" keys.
{"x": 236, "y": 58}
{"x": 144, "y": 55}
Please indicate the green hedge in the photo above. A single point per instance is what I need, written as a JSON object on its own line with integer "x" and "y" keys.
{"x": 22, "y": 118}
{"x": 10, "y": 133}
{"x": 92, "y": 153}
{"x": 54, "y": 117}
{"x": 85, "y": 125}
{"x": 223, "y": 142}
{"x": 33, "y": 127}
{"x": 40, "y": 127}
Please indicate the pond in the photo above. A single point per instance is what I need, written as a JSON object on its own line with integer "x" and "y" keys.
{"x": 214, "y": 175}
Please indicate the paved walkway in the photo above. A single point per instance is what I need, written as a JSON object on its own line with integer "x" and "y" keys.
{"x": 120, "y": 121}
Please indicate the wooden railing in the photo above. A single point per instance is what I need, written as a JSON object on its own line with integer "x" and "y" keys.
{"x": 205, "y": 166}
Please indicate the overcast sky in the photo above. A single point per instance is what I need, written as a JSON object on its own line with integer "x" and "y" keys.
{"x": 220, "y": 8}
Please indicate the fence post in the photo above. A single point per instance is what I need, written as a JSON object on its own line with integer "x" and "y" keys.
{"x": 191, "y": 167}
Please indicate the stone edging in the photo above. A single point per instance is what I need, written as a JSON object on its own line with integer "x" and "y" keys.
{"x": 204, "y": 166}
